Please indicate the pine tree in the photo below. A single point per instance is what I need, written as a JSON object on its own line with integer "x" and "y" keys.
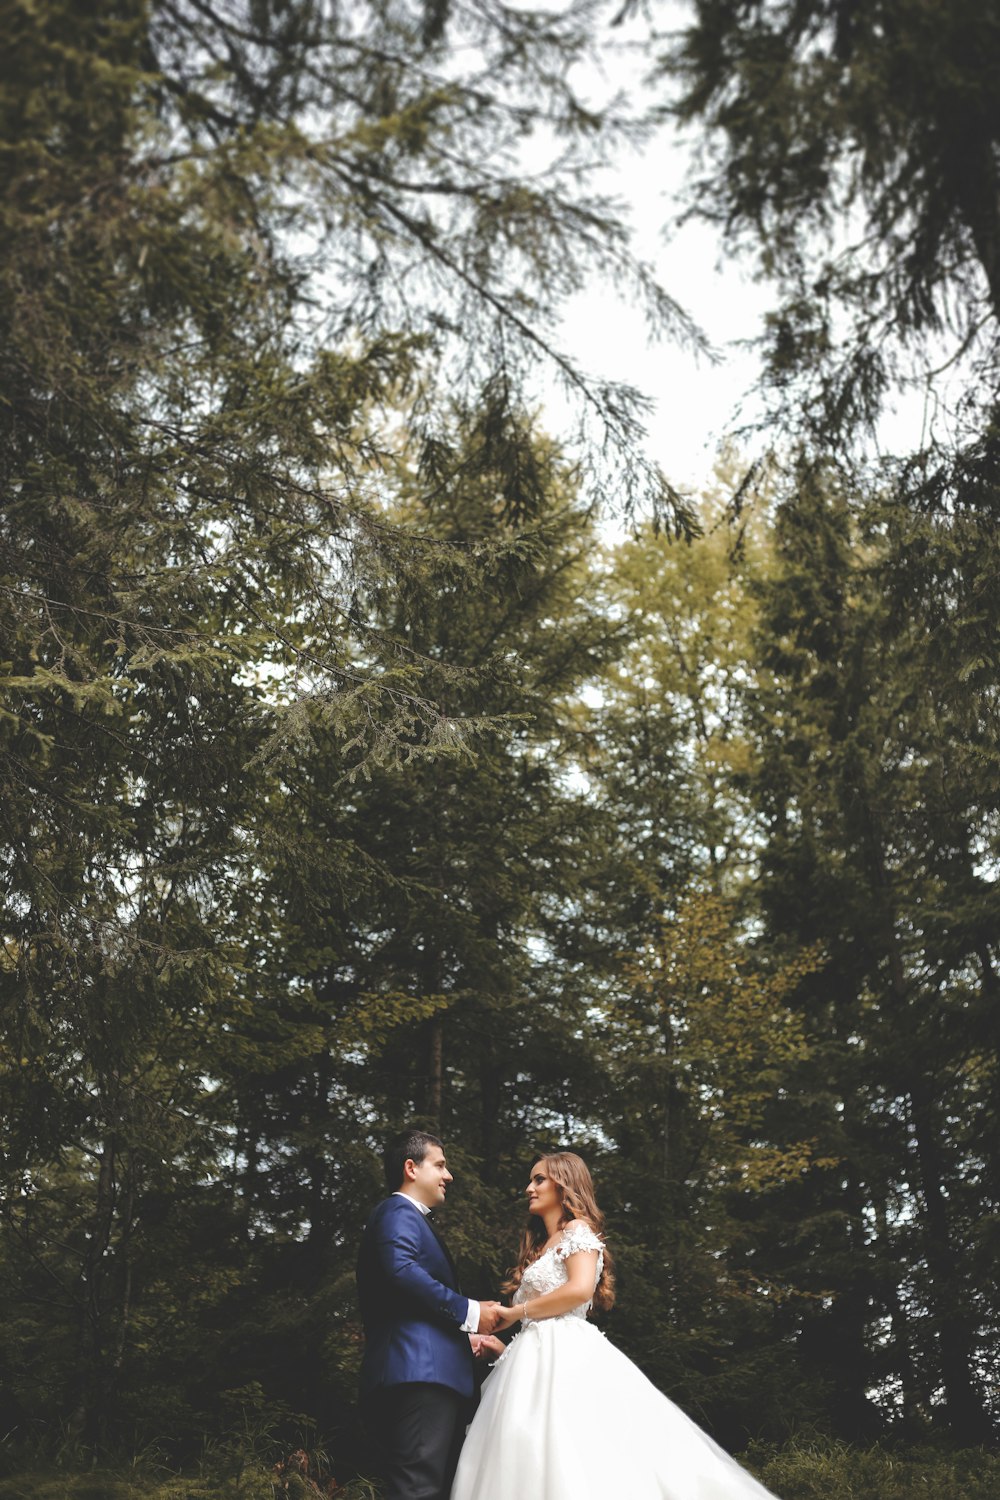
{"x": 243, "y": 249}
{"x": 850, "y": 151}
{"x": 864, "y": 840}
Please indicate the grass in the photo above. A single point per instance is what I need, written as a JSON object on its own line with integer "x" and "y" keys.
{"x": 805, "y": 1469}
{"x": 822, "y": 1469}
{"x": 254, "y": 1483}
{"x": 98, "y": 1484}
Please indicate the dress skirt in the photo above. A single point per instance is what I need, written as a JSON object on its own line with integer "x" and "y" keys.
{"x": 565, "y": 1415}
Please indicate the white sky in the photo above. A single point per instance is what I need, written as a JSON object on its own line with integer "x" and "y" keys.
{"x": 696, "y": 402}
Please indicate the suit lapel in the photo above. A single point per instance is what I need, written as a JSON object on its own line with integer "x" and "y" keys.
{"x": 444, "y": 1248}
{"x": 447, "y": 1253}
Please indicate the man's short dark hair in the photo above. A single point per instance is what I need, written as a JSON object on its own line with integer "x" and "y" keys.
{"x": 408, "y": 1145}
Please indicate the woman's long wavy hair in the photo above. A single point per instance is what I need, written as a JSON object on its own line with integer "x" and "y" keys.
{"x": 576, "y": 1188}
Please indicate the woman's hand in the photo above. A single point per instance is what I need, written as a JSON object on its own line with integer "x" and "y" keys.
{"x": 508, "y": 1316}
{"x": 485, "y": 1346}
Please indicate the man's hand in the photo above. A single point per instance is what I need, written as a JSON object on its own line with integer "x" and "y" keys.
{"x": 489, "y": 1316}
{"x": 484, "y": 1345}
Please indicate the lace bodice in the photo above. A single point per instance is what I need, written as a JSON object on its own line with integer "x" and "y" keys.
{"x": 549, "y": 1270}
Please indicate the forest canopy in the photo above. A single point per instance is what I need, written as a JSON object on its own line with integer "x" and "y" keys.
{"x": 352, "y": 772}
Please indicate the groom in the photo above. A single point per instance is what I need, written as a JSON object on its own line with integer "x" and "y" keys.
{"x": 417, "y": 1373}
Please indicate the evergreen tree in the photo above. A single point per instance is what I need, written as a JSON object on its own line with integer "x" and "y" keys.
{"x": 851, "y": 152}
{"x": 431, "y": 982}
{"x": 243, "y": 248}
{"x": 705, "y": 1053}
{"x": 864, "y": 841}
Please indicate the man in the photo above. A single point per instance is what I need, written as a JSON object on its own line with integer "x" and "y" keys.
{"x": 417, "y": 1374}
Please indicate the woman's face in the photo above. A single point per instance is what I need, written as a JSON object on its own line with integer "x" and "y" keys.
{"x": 543, "y": 1194}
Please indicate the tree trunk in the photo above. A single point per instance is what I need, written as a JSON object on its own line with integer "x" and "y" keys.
{"x": 911, "y": 1391}
{"x": 89, "y": 1413}
{"x": 317, "y": 1168}
{"x": 435, "y": 1070}
{"x": 489, "y": 1094}
{"x": 431, "y": 984}
{"x": 125, "y": 1268}
{"x": 967, "y": 1419}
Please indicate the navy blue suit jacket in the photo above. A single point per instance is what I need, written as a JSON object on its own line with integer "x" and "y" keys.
{"x": 410, "y": 1304}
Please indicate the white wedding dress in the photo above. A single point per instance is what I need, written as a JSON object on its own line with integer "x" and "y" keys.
{"x": 565, "y": 1415}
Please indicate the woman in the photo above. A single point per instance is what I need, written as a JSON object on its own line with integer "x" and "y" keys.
{"x": 564, "y": 1414}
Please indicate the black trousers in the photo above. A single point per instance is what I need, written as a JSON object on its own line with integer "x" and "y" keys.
{"x": 419, "y": 1429}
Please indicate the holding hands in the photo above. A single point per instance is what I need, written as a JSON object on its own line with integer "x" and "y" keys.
{"x": 489, "y": 1316}
{"x": 492, "y": 1316}
{"x": 485, "y": 1346}
{"x": 508, "y": 1316}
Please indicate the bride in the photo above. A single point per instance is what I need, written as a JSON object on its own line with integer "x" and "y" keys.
{"x": 564, "y": 1414}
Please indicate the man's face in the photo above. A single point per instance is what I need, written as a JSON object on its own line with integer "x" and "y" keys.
{"x": 428, "y": 1180}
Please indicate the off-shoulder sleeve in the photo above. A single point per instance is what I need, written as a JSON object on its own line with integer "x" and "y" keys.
{"x": 577, "y": 1236}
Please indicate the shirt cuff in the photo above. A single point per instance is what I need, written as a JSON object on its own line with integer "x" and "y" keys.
{"x": 471, "y": 1324}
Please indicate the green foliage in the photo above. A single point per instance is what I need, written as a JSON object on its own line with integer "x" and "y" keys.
{"x": 870, "y": 820}
{"x": 810, "y": 1470}
{"x": 344, "y": 780}
{"x": 98, "y": 1484}
{"x": 851, "y": 151}
{"x": 237, "y": 251}
{"x": 804, "y": 1469}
